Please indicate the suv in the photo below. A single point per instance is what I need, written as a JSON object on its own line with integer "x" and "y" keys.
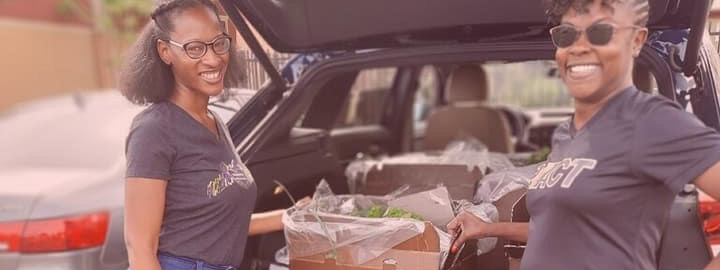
{"x": 372, "y": 97}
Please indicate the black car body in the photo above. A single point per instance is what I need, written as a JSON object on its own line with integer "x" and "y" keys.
{"x": 290, "y": 132}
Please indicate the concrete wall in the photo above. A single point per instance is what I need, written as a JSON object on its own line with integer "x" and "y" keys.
{"x": 41, "y": 59}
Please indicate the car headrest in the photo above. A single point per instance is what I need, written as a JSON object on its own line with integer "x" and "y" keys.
{"x": 467, "y": 83}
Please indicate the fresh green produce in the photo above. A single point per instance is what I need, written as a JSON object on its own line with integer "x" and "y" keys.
{"x": 376, "y": 211}
{"x": 539, "y": 156}
{"x": 379, "y": 211}
{"x": 401, "y": 213}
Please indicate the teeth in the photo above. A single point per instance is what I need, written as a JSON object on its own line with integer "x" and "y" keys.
{"x": 583, "y": 68}
{"x": 210, "y": 75}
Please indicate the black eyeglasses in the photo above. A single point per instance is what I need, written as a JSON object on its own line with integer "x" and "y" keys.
{"x": 197, "y": 49}
{"x": 598, "y": 34}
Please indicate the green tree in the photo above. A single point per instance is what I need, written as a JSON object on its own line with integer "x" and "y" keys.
{"x": 120, "y": 19}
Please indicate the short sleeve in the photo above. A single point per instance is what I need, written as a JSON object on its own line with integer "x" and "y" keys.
{"x": 673, "y": 146}
{"x": 148, "y": 152}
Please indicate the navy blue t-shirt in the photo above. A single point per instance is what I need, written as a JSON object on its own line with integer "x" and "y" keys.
{"x": 601, "y": 200}
{"x": 210, "y": 194}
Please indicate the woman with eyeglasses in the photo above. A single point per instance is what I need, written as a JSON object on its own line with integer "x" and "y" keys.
{"x": 188, "y": 197}
{"x": 601, "y": 199}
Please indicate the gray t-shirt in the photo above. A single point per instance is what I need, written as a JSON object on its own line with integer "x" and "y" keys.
{"x": 601, "y": 200}
{"x": 210, "y": 194}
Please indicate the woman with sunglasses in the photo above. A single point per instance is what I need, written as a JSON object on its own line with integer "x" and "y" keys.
{"x": 601, "y": 199}
{"x": 188, "y": 197}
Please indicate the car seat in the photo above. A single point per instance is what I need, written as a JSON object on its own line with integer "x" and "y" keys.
{"x": 467, "y": 114}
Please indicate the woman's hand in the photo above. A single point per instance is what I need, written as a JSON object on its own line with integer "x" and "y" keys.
{"x": 469, "y": 226}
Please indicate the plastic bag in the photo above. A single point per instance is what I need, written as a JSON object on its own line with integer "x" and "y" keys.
{"x": 445, "y": 239}
{"x": 469, "y": 152}
{"x": 356, "y": 172}
{"x": 498, "y": 162}
{"x": 486, "y": 212}
{"x": 496, "y": 185}
{"x": 466, "y": 144}
{"x": 282, "y": 256}
{"x": 363, "y": 238}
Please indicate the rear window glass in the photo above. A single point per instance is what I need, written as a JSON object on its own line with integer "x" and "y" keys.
{"x": 539, "y": 87}
{"x": 368, "y": 96}
{"x": 426, "y": 96}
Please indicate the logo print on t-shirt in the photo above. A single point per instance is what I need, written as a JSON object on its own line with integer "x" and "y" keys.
{"x": 567, "y": 170}
{"x": 230, "y": 174}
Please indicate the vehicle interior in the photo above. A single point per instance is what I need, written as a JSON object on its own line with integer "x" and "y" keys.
{"x": 372, "y": 110}
{"x": 455, "y": 77}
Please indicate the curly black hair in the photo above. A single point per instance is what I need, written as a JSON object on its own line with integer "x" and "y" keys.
{"x": 555, "y": 9}
{"x": 145, "y": 78}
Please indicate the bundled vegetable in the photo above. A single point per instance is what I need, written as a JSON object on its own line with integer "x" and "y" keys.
{"x": 379, "y": 211}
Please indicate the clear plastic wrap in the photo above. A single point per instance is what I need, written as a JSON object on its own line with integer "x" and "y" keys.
{"x": 472, "y": 154}
{"x": 445, "y": 239}
{"x": 498, "y": 162}
{"x": 356, "y": 172}
{"x": 359, "y": 239}
{"x": 282, "y": 257}
{"x": 496, "y": 185}
{"x": 468, "y": 152}
{"x": 488, "y": 213}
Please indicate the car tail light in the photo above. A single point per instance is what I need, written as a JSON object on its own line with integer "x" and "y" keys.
{"x": 57, "y": 234}
{"x": 10, "y": 234}
{"x": 710, "y": 212}
{"x": 86, "y": 231}
{"x": 43, "y": 235}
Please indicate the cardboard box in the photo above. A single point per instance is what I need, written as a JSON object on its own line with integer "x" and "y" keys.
{"x": 421, "y": 252}
{"x": 460, "y": 181}
{"x": 413, "y": 247}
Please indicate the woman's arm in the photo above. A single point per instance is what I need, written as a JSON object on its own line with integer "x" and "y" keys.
{"x": 144, "y": 207}
{"x": 474, "y": 228}
{"x": 709, "y": 182}
{"x": 270, "y": 221}
{"x": 516, "y": 231}
{"x": 266, "y": 222}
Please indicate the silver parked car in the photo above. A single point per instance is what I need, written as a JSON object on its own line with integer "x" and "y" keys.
{"x": 62, "y": 166}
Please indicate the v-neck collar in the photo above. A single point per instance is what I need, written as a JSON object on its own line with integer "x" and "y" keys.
{"x": 575, "y": 132}
{"x": 217, "y": 137}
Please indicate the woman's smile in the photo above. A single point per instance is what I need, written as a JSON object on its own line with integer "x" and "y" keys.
{"x": 211, "y": 76}
{"x": 583, "y": 71}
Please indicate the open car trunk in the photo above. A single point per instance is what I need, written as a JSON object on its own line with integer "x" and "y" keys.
{"x": 326, "y": 25}
{"x": 321, "y": 25}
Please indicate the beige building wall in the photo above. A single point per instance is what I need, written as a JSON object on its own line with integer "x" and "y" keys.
{"x": 41, "y": 59}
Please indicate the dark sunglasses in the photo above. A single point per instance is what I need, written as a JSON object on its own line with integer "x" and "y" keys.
{"x": 598, "y": 34}
{"x": 197, "y": 49}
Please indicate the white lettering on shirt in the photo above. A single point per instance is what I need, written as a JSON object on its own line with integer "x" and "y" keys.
{"x": 567, "y": 170}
